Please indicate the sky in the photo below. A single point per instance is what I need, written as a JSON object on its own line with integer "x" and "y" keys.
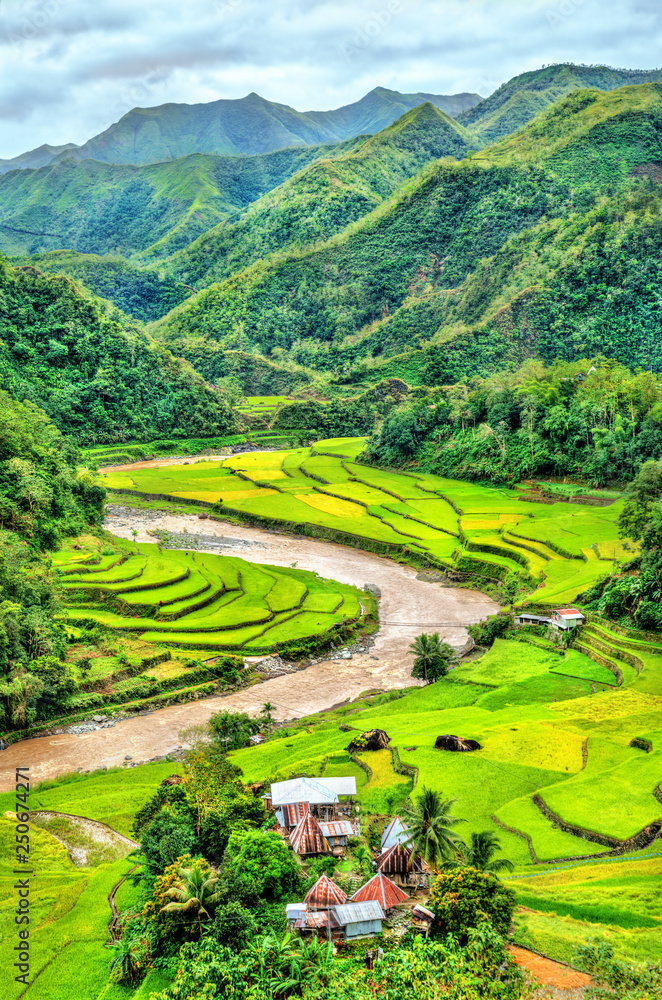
{"x": 73, "y": 67}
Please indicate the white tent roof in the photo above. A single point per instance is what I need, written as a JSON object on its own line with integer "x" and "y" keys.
{"x": 394, "y": 833}
{"x": 316, "y": 791}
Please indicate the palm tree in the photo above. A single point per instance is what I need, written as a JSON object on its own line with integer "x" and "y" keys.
{"x": 267, "y": 709}
{"x": 429, "y": 827}
{"x": 431, "y": 657}
{"x": 480, "y": 853}
{"x": 125, "y": 966}
{"x": 196, "y": 894}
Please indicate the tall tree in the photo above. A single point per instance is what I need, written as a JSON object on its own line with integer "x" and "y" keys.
{"x": 432, "y": 657}
{"x": 430, "y": 828}
{"x": 480, "y": 853}
{"x": 195, "y": 895}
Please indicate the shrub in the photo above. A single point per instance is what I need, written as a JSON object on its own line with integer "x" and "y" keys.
{"x": 233, "y": 925}
{"x": 462, "y": 898}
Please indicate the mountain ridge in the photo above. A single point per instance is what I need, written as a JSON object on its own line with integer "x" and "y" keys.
{"x": 249, "y": 125}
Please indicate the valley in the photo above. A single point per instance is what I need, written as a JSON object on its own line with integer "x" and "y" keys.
{"x": 331, "y": 468}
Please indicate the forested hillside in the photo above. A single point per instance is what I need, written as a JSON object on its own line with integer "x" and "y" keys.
{"x": 519, "y": 100}
{"x": 325, "y": 197}
{"x": 154, "y": 210}
{"x": 137, "y": 291}
{"x": 423, "y": 294}
{"x": 99, "y": 378}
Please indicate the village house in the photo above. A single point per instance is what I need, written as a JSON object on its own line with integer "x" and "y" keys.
{"x": 307, "y": 837}
{"x": 337, "y": 833}
{"x": 394, "y": 833}
{"x": 325, "y": 911}
{"x": 328, "y": 799}
{"x": 561, "y": 619}
{"x": 403, "y": 868}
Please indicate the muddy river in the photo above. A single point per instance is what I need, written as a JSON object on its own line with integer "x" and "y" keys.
{"x": 408, "y": 606}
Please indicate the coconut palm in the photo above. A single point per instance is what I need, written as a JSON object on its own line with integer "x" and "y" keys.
{"x": 429, "y": 828}
{"x": 431, "y": 657}
{"x": 480, "y": 853}
{"x": 194, "y": 895}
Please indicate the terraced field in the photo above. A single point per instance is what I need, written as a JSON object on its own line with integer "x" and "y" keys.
{"x": 556, "y": 550}
{"x": 198, "y": 601}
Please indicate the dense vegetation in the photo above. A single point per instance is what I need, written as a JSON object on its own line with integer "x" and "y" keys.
{"x": 596, "y": 422}
{"x": 136, "y": 291}
{"x": 101, "y": 208}
{"x": 471, "y": 266}
{"x": 324, "y": 198}
{"x": 96, "y": 376}
{"x": 515, "y": 103}
{"x": 43, "y": 498}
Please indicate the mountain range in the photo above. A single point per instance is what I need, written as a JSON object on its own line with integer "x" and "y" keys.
{"x": 422, "y": 252}
{"x": 245, "y": 127}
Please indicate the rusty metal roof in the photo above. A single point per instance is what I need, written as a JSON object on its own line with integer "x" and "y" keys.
{"x": 398, "y": 860}
{"x": 294, "y": 813}
{"x": 381, "y": 889}
{"x": 356, "y": 913}
{"x": 316, "y": 920}
{"x": 307, "y": 838}
{"x": 339, "y": 828}
{"x": 325, "y": 892}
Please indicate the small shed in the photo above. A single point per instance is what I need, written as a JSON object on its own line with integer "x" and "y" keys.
{"x": 307, "y": 837}
{"x": 566, "y": 618}
{"x": 293, "y": 911}
{"x": 360, "y": 919}
{"x": 524, "y": 618}
{"x": 382, "y": 890}
{"x": 337, "y": 832}
{"x": 256, "y": 739}
{"x": 320, "y": 921}
{"x": 323, "y": 894}
{"x": 394, "y": 833}
{"x": 422, "y": 918}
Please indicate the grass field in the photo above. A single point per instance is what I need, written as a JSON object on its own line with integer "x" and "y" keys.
{"x": 557, "y": 550}
{"x": 69, "y": 910}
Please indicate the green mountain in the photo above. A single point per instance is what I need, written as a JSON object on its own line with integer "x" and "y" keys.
{"x": 408, "y": 290}
{"x": 96, "y": 376}
{"x": 39, "y": 157}
{"x": 324, "y": 198}
{"x": 248, "y": 126}
{"x": 102, "y": 208}
{"x": 519, "y": 100}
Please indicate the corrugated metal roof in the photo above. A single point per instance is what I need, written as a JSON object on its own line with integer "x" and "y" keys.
{"x": 307, "y": 838}
{"x": 422, "y": 912}
{"x": 569, "y": 613}
{"x": 339, "y": 828}
{"x": 314, "y": 790}
{"x": 381, "y": 889}
{"x": 293, "y": 910}
{"x": 325, "y": 892}
{"x": 394, "y": 833}
{"x": 397, "y": 860}
{"x": 318, "y": 919}
{"x": 294, "y": 813}
{"x": 356, "y": 913}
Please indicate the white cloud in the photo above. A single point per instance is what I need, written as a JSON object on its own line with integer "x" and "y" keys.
{"x": 71, "y": 67}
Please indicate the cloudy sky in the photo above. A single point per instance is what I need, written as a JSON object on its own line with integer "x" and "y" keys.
{"x": 73, "y": 67}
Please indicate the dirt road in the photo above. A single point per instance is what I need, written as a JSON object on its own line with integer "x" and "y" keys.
{"x": 407, "y": 607}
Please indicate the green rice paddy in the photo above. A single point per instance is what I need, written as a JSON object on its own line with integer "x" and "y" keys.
{"x": 197, "y": 600}
{"x": 557, "y": 550}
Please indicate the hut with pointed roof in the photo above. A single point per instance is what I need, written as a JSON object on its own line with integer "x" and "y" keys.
{"x": 382, "y": 890}
{"x": 399, "y": 864}
{"x": 307, "y": 837}
{"x": 394, "y": 833}
{"x": 324, "y": 893}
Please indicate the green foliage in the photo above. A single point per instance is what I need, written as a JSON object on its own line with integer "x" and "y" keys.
{"x": 629, "y": 980}
{"x": 467, "y": 897}
{"x": 96, "y": 379}
{"x": 233, "y": 926}
{"x": 496, "y": 627}
{"x": 265, "y": 859}
{"x": 232, "y": 730}
{"x": 479, "y": 853}
{"x": 431, "y": 657}
{"x": 430, "y": 827}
